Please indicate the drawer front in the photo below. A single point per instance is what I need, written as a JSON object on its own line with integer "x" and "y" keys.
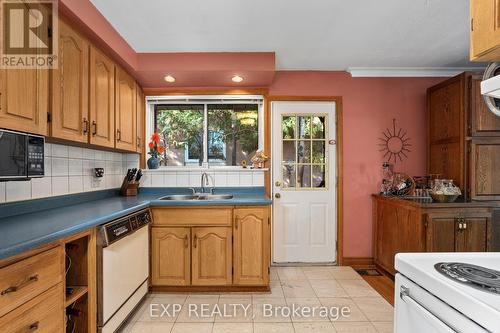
{"x": 43, "y": 314}
{"x": 193, "y": 216}
{"x": 28, "y": 278}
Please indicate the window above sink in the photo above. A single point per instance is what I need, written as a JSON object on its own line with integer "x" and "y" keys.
{"x": 207, "y": 131}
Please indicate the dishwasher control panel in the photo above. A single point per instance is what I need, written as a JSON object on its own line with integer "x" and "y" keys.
{"x": 125, "y": 226}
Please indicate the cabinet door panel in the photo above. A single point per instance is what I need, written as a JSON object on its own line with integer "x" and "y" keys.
{"x": 70, "y": 114}
{"x": 125, "y": 111}
{"x": 483, "y": 121}
{"x": 170, "y": 258}
{"x": 485, "y": 170}
{"x": 441, "y": 234}
{"x": 473, "y": 238}
{"x": 251, "y": 246}
{"x": 24, "y": 100}
{"x": 102, "y": 99}
{"x": 212, "y": 259}
{"x": 485, "y": 34}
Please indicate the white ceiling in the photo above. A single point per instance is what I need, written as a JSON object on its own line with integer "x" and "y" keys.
{"x": 305, "y": 34}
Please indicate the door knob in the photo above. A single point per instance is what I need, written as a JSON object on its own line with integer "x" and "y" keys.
{"x": 277, "y": 195}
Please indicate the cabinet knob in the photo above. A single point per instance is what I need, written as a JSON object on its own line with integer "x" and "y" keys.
{"x": 277, "y": 195}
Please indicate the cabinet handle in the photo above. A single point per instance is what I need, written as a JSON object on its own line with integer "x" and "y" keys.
{"x": 12, "y": 289}
{"x": 465, "y": 225}
{"x": 118, "y": 135}
{"x": 236, "y": 223}
{"x": 33, "y": 327}
{"x": 186, "y": 241}
{"x": 195, "y": 243}
{"x": 85, "y": 126}
{"x": 94, "y": 128}
{"x": 138, "y": 142}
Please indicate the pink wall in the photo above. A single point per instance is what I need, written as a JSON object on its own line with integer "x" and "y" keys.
{"x": 369, "y": 105}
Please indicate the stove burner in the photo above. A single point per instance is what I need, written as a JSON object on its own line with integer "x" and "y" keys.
{"x": 481, "y": 278}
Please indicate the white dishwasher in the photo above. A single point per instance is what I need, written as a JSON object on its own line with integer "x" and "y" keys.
{"x": 122, "y": 268}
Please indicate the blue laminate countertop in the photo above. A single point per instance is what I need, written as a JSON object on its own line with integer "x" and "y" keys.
{"x": 28, "y": 224}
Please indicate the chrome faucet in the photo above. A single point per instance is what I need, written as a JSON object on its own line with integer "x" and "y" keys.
{"x": 204, "y": 181}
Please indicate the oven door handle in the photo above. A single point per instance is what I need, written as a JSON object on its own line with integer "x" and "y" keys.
{"x": 404, "y": 294}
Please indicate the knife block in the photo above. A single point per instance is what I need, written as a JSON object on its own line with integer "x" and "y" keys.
{"x": 131, "y": 189}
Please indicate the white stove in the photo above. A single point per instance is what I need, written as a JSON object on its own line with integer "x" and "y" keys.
{"x": 447, "y": 292}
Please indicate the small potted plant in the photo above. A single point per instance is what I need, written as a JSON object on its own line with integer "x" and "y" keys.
{"x": 156, "y": 148}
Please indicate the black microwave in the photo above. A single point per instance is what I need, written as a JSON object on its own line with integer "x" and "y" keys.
{"x": 21, "y": 156}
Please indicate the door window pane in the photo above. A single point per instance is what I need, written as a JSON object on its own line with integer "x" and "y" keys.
{"x": 288, "y": 171}
{"x": 232, "y": 133}
{"x": 304, "y": 176}
{"x": 288, "y": 125}
{"x": 304, "y": 152}
{"x": 181, "y": 130}
{"x": 318, "y": 153}
{"x": 289, "y": 151}
{"x": 318, "y": 127}
{"x": 304, "y": 127}
{"x": 319, "y": 176}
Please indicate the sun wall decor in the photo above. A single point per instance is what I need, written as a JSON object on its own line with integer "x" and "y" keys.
{"x": 395, "y": 143}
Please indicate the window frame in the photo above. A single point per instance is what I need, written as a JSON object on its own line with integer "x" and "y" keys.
{"x": 155, "y": 101}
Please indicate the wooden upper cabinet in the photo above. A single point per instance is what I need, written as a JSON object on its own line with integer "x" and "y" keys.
{"x": 485, "y": 30}
{"x": 125, "y": 111}
{"x": 141, "y": 117}
{"x": 211, "y": 256}
{"x": 24, "y": 97}
{"x": 251, "y": 246}
{"x": 102, "y": 99}
{"x": 170, "y": 257}
{"x": 70, "y": 113}
{"x": 482, "y": 121}
{"x": 446, "y": 110}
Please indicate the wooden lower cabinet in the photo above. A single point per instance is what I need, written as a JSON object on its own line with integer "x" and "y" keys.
{"x": 212, "y": 256}
{"x": 171, "y": 252}
{"x": 42, "y": 314}
{"x": 412, "y": 226}
{"x": 251, "y": 246}
{"x": 449, "y": 234}
{"x": 210, "y": 246}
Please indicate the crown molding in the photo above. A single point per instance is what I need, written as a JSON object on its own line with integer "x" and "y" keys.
{"x": 409, "y": 71}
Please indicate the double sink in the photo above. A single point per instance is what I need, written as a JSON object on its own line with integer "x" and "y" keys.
{"x": 197, "y": 196}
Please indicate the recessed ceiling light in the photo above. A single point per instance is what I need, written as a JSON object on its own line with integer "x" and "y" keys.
{"x": 169, "y": 78}
{"x": 237, "y": 78}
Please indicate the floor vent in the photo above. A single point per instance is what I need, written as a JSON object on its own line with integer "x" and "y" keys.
{"x": 368, "y": 272}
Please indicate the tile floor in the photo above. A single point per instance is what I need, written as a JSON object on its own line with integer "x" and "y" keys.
{"x": 306, "y": 286}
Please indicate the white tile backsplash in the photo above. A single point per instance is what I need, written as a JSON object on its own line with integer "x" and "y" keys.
{"x": 18, "y": 190}
{"x": 2, "y": 192}
{"x": 71, "y": 170}
{"x": 216, "y": 177}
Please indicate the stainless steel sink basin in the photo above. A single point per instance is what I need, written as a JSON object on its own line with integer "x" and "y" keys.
{"x": 179, "y": 197}
{"x": 215, "y": 196}
{"x": 202, "y": 196}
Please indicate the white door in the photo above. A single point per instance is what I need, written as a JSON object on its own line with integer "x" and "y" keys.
{"x": 304, "y": 181}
